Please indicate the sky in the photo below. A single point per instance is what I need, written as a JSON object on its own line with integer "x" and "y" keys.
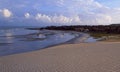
{"x": 110, "y": 3}
{"x": 59, "y": 12}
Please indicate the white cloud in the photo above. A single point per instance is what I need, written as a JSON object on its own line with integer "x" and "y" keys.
{"x": 103, "y": 19}
{"x": 88, "y": 12}
{"x": 43, "y": 18}
{"x": 6, "y": 13}
{"x": 82, "y": 12}
{"x": 27, "y": 15}
{"x": 78, "y": 12}
{"x": 57, "y": 19}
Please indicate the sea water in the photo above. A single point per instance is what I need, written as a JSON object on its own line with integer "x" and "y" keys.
{"x": 19, "y": 40}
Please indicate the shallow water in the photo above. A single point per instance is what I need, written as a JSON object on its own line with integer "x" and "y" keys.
{"x": 18, "y": 40}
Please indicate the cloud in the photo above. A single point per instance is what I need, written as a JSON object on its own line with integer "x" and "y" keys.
{"x": 57, "y": 19}
{"x": 63, "y": 12}
{"x": 6, "y": 13}
{"x": 27, "y": 15}
{"x": 102, "y": 19}
{"x": 82, "y": 12}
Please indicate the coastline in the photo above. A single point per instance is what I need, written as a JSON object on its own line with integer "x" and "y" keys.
{"x": 13, "y": 44}
{"x": 71, "y": 56}
{"x": 83, "y": 57}
{"x": 30, "y": 42}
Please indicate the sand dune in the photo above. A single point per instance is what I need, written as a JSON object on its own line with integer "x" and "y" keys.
{"x": 85, "y": 57}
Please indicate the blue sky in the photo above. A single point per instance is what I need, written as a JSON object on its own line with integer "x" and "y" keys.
{"x": 110, "y": 3}
{"x": 59, "y": 12}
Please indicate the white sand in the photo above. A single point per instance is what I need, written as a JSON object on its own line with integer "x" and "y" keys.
{"x": 85, "y": 57}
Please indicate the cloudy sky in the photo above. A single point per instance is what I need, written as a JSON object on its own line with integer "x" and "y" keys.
{"x": 59, "y": 12}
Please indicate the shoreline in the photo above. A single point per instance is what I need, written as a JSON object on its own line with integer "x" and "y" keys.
{"x": 80, "y": 38}
{"x": 71, "y": 41}
{"x": 77, "y": 35}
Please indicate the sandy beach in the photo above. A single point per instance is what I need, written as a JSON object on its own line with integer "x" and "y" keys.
{"x": 84, "y": 57}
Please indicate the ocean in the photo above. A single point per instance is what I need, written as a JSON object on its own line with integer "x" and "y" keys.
{"x": 18, "y": 40}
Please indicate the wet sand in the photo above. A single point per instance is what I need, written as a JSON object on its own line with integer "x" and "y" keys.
{"x": 84, "y": 57}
